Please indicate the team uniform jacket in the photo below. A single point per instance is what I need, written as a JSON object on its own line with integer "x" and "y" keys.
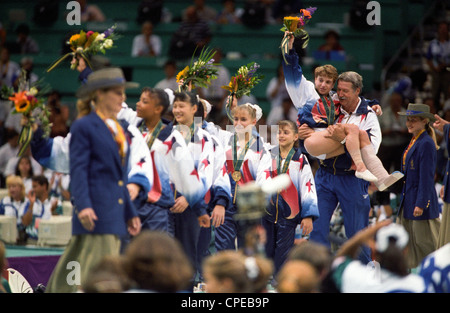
{"x": 171, "y": 163}
{"x": 299, "y": 200}
{"x": 304, "y": 96}
{"x": 220, "y": 193}
{"x": 256, "y": 165}
{"x": 311, "y": 112}
{"x": 201, "y": 147}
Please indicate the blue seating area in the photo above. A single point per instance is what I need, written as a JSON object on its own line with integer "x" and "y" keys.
{"x": 366, "y": 50}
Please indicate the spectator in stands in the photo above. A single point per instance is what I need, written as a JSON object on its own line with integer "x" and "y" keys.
{"x": 331, "y": 42}
{"x": 191, "y": 34}
{"x": 170, "y": 81}
{"x": 15, "y": 203}
{"x": 286, "y": 111}
{"x": 41, "y": 206}
{"x": 26, "y": 64}
{"x": 156, "y": 262}
{"x": 214, "y": 93}
{"x": 11, "y": 165}
{"x": 282, "y": 8}
{"x": 8, "y": 68}
{"x": 90, "y": 12}
{"x": 2, "y": 35}
{"x": 229, "y": 14}
{"x": 204, "y": 12}
{"x": 7, "y": 151}
{"x": 59, "y": 115}
{"x": 147, "y": 44}
{"x": 27, "y": 44}
{"x": 59, "y": 185}
{"x": 25, "y": 171}
{"x": 276, "y": 90}
{"x": 438, "y": 60}
{"x": 332, "y": 47}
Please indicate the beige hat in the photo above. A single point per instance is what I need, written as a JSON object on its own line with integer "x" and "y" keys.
{"x": 418, "y": 109}
{"x": 104, "y": 78}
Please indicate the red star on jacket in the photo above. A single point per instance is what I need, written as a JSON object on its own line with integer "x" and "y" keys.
{"x": 206, "y": 162}
{"x": 141, "y": 162}
{"x": 194, "y": 172}
{"x": 309, "y": 184}
{"x": 169, "y": 144}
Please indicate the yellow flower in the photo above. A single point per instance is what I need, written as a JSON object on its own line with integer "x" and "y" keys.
{"x": 21, "y": 101}
{"x": 291, "y": 23}
{"x": 73, "y": 39}
{"x": 182, "y": 74}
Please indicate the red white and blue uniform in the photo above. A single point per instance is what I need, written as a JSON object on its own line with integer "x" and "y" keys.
{"x": 288, "y": 207}
{"x": 336, "y": 183}
{"x": 172, "y": 163}
{"x": 256, "y": 166}
{"x": 184, "y": 226}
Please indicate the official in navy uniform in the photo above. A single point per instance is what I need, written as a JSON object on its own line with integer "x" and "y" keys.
{"x": 99, "y": 152}
{"x": 419, "y": 210}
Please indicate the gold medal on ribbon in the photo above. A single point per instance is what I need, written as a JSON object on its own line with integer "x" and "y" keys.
{"x": 236, "y": 176}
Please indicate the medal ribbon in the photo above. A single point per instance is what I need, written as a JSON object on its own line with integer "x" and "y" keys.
{"x": 330, "y": 110}
{"x": 154, "y": 134}
{"x": 237, "y": 163}
{"x": 286, "y": 162}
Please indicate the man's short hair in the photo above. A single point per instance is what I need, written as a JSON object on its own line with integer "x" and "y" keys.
{"x": 352, "y": 77}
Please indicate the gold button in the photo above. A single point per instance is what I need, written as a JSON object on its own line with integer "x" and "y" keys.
{"x": 120, "y": 201}
{"x": 120, "y": 183}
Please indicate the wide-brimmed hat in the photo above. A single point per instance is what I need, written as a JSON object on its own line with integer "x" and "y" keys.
{"x": 104, "y": 78}
{"x": 420, "y": 110}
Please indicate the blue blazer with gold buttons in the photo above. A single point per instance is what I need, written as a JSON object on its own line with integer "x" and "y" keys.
{"x": 419, "y": 187}
{"x": 98, "y": 177}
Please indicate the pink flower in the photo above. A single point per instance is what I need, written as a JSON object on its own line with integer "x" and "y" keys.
{"x": 89, "y": 33}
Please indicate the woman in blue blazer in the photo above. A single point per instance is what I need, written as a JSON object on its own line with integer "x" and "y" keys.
{"x": 419, "y": 210}
{"x": 99, "y": 151}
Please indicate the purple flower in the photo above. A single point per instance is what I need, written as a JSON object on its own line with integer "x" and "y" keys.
{"x": 311, "y": 10}
{"x": 108, "y": 32}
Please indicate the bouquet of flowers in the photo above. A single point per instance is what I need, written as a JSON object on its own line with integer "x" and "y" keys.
{"x": 295, "y": 26}
{"x": 198, "y": 73}
{"x": 88, "y": 44}
{"x": 30, "y": 103}
{"x": 242, "y": 83}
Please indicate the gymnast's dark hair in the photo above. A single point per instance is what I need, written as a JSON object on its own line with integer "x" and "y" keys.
{"x": 192, "y": 98}
{"x": 163, "y": 97}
